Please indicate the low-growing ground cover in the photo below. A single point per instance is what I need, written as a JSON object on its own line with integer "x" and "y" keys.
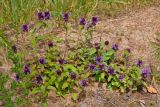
{"x": 68, "y": 67}
{"x": 62, "y": 56}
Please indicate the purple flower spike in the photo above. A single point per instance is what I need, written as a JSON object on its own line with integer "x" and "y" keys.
{"x": 98, "y": 59}
{"x": 62, "y": 61}
{"x": 73, "y": 75}
{"x": 17, "y": 77}
{"x": 115, "y": 47}
{"x": 65, "y": 17}
{"x": 94, "y": 20}
{"x": 42, "y": 60}
{"x": 50, "y": 43}
{"x": 82, "y": 21}
{"x": 139, "y": 63}
{"x": 58, "y": 72}
{"x": 41, "y": 16}
{"x": 92, "y": 67}
{"x": 110, "y": 70}
{"x": 83, "y": 83}
{"x": 39, "y": 79}
{"x": 26, "y": 69}
{"x": 25, "y": 28}
{"x": 14, "y": 48}
{"x": 121, "y": 77}
{"x": 146, "y": 72}
{"x": 102, "y": 67}
{"x": 47, "y": 15}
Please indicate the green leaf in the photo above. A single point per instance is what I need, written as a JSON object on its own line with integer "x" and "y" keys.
{"x": 130, "y": 82}
{"x": 51, "y": 81}
{"x": 110, "y": 52}
{"x": 109, "y": 78}
{"x": 102, "y": 75}
{"x": 65, "y": 85}
{"x": 115, "y": 84}
{"x": 40, "y": 37}
{"x": 74, "y": 96}
{"x": 134, "y": 89}
{"x": 57, "y": 84}
{"x": 36, "y": 90}
{"x": 43, "y": 88}
{"x": 33, "y": 42}
{"x": 50, "y": 88}
{"x": 69, "y": 67}
{"x": 65, "y": 74}
{"x": 122, "y": 89}
{"x": 71, "y": 55}
{"x": 108, "y": 55}
{"x": 91, "y": 51}
{"x": 44, "y": 104}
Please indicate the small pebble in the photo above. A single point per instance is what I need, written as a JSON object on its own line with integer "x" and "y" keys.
{"x": 1, "y": 103}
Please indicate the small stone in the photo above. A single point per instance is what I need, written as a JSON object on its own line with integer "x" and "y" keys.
{"x": 1, "y": 103}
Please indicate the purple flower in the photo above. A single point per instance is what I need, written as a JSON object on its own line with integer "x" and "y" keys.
{"x": 139, "y": 63}
{"x": 121, "y": 77}
{"x": 102, "y": 67}
{"x": 26, "y": 69}
{"x": 110, "y": 70}
{"x": 39, "y": 79}
{"x": 25, "y": 28}
{"x": 83, "y": 83}
{"x": 47, "y": 15}
{"x": 92, "y": 67}
{"x": 145, "y": 72}
{"x": 14, "y": 48}
{"x": 82, "y": 21}
{"x": 73, "y": 75}
{"x": 41, "y": 16}
{"x": 58, "y": 72}
{"x": 98, "y": 59}
{"x": 17, "y": 77}
{"x": 65, "y": 17}
{"x": 50, "y": 43}
{"x": 115, "y": 47}
{"x": 62, "y": 61}
{"x": 94, "y": 20}
{"x": 42, "y": 60}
